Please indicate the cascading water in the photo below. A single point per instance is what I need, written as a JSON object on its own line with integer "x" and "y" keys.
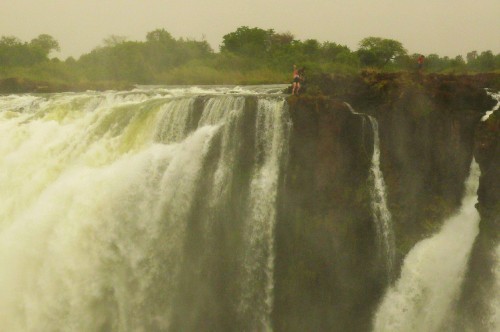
{"x": 490, "y": 320}
{"x": 495, "y": 302}
{"x": 432, "y": 273}
{"x": 495, "y": 96}
{"x": 381, "y": 214}
{"x": 494, "y": 321}
{"x": 137, "y": 211}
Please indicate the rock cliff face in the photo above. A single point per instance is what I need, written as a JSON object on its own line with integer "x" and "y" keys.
{"x": 427, "y": 128}
{"x": 430, "y": 129}
{"x": 326, "y": 275}
{"x": 324, "y": 281}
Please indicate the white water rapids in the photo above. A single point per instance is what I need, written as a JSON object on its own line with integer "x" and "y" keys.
{"x": 98, "y": 192}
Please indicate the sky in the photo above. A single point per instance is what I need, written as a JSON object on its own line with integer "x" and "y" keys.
{"x": 444, "y": 27}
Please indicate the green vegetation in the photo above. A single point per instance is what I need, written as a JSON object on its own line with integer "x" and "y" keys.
{"x": 246, "y": 56}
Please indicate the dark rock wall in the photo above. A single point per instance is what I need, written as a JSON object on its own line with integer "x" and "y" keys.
{"x": 487, "y": 153}
{"x": 427, "y": 127}
{"x": 426, "y": 152}
{"x": 326, "y": 278}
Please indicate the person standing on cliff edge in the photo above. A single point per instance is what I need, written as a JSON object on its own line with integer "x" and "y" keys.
{"x": 296, "y": 81}
{"x": 420, "y": 62}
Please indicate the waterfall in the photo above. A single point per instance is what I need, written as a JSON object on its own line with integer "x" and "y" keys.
{"x": 432, "y": 274}
{"x": 260, "y": 223}
{"x": 139, "y": 211}
{"x": 156, "y": 210}
{"x": 381, "y": 214}
{"x": 494, "y": 306}
{"x": 494, "y": 321}
{"x": 495, "y": 96}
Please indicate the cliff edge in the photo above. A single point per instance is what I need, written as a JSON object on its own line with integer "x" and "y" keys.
{"x": 430, "y": 130}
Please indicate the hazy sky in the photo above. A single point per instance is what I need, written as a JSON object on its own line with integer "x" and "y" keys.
{"x": 445, "y": 27}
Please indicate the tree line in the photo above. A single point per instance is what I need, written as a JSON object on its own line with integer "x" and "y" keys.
{"x": 246, "y": 55}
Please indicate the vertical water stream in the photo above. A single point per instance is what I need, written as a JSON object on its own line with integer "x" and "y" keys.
{"x": 381, "y": 214}
{"x": 432, "y": 273}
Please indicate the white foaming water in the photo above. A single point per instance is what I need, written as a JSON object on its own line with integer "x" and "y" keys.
{"x": 180, "y": 90}
{"x": 174, "y": 118}
{"x": 495, "y": 96}
{"x": 432, "y": 273}
{"x": 96, "y": 190}
{"x": 495, "y": 302}
{"x": 272, "y": 148}
{"x": 381, "y": 214}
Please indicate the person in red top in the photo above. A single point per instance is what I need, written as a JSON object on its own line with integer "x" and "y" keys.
{"x": 296, "y": 81}
{"x": 420, "y": 62}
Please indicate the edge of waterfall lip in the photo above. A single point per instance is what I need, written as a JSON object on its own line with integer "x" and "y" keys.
{"x": 265, "y": 89}
{"x": 162, "y": 91}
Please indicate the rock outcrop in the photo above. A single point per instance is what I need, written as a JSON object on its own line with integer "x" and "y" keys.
{"x": 430, "y": 130}
{"x": 326, "y": 278}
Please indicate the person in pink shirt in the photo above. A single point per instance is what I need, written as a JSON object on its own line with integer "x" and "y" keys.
{"x": 296, "y": 81}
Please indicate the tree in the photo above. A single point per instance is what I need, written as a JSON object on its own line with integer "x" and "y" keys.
{"x": 281, "y": 40}
{"x": 14, "y": 52}
{"x": 114, "y": 40}
{"x": 45, "y": 43}
{"x": 458, "y": 63}
{"x": 471, "y": 56}
{"x": 191, "y": 49}
{"x": 9, "y": 41}
{"x": 486, "y": 61}
{"x": 251, "y": 42}
{"x": 377, "y": 52}
{"x": 311, "y": 48}
{"x": 332, "y": 51}
{"x": 8, "y": 44}
{"x": 434, "y": 63}
{"x": 161, "y": 36}
{"x": 160, "y": 49}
